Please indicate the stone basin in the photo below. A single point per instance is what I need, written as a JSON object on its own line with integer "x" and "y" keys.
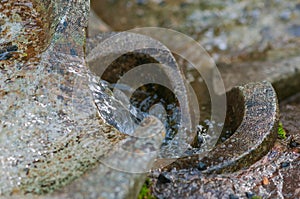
{"x": 275, "y": 175}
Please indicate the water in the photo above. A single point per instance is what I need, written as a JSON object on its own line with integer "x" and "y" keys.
{"x": 125, "y": 114}
{"x": 112, "y": 109}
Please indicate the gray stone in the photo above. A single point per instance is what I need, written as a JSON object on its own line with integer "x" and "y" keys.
{"x": 253, "y": 116}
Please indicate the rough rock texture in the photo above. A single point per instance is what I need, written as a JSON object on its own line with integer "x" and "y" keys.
{"x": 256, "y": 119}
{"x": 43, "y": 119}
{"x": 276, "y": 175}
{"x": 51, "y": 132}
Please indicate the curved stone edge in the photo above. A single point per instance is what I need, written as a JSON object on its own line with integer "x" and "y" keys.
{"x": 161, "y": 54}
{"x": 107, "y": 182}
{"x": 253, "y": 138}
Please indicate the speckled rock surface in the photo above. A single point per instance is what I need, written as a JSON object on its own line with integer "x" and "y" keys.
{"x": 41, "y": 120}
{"x": 276, "y": 175}
{"x": 51, "y": 133}
{"x": 256, "y": 117}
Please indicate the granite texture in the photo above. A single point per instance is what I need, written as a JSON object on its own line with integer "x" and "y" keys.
{"x": 254, "y": 113}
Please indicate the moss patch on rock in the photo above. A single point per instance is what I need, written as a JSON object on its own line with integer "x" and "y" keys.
{"x": 281, "y": 132}
{"x": 145, "y": 192}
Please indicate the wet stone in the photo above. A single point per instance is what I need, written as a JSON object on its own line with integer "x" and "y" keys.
{"x": 285, "y": 164}
{"x": 162, "y": 178}
{"x": 201, "y": 166}
{"x": 251, "y": 179}
{"x": 254, "y": 15}
{"x": 294, "y": 144}
{"x": 12, "y": 48}
{"x": 249, "y": 142}
{"x": 51, "y": 136}
{"x": 232, "y": 196}
{"x": 5, "y": 56}
{"x": 249, "y": 195}
{"x": 6, "y": 52}
{"x": 238, "y": 183}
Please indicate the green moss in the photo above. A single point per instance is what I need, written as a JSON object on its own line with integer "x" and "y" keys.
{"x": 256, "y": 197}
{"x": 281, "y": 132}
{"x": 145, "y": 192}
